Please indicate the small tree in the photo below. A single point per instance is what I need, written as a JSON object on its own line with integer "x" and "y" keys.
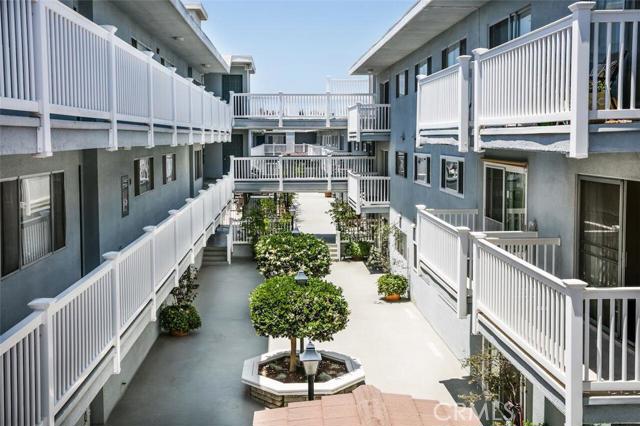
{"x": 280, "y": 307}
{"x": 286, "y": 254}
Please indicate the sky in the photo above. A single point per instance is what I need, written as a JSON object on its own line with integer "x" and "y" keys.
{"x": 296, "y": 44}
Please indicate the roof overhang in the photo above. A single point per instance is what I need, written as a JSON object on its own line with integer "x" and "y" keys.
{"x": 198, "y": 9}
{"x": 425, "y": 20}
{"x": 242, "y": 61}
{"x": 170, "y": 22}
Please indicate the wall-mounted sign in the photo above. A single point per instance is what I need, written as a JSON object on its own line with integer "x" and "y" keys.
{"x": 124, "y": 194}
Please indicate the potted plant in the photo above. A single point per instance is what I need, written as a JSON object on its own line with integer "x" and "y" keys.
{"x": 182, "y": 316}
{"x": 358, "y": 250}
{"x": 392, "y": 287}
{"x": 280, "y": 307}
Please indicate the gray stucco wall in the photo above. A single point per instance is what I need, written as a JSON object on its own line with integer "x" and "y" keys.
{"x": 49, "y": 275}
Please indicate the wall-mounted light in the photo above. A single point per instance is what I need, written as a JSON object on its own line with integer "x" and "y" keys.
{"x": 178, "y": 38}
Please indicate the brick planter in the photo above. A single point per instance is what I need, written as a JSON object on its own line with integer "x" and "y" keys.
{"x": 272, "y": 393}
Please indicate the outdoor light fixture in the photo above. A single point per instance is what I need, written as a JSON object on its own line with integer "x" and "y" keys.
{"x": 178, "y": 38}
{"x": 310, "y": 360}
{"x": 295, "y": 231}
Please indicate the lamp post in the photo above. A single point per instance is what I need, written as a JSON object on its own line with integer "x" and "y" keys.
{"x": 292, "y": 211}
{"x": 310, "y": 360}
{"x": 301, "y": 279}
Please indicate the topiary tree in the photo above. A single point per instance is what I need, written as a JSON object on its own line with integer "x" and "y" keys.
{"x": 280, "y": 307}
{"x": 286, "y": 254}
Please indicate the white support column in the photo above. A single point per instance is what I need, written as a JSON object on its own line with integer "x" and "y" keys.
{"x": 232, "y": 167}
{"x": 419, "y": 77}
{"x": 202, "y": 109}
{"x": 192, "y": 257}
{"x": 329, "y": 166}
{"x": 338, "y": 244}
{"x": 113, "y": 92}
{"x": 174, "y": 108}
{"x": 477, "y": 97}
{"x": 580, "y": 40}
{"x": 328, "y": 109}
{"x": 115, "y": 301}
{"x": 45, "y": 307}
{"x": 41, "y": 58}
{"x": 150, "y": 137}
{"x": 190, "y": 80}
{"x": 281, "y": 111}
{"x": 574, "y": 323}
{"x": 151, "y": 230}
{"x": 176, "y": 265}
{"x": 463, "y": 104}
{"x": 280, "y": 173}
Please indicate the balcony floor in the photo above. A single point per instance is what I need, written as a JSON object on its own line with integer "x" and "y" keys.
{"x": 195, "y": 380}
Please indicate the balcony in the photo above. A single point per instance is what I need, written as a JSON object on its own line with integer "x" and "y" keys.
{"x": 276, "y": 149}
{"x": 368, "y": 122}
{"x": 577, "y": 342}
{"x": 445, "y": 121}
{"x": 253, "y": 110}
{"x": 54, "y": 75}
{"x": 297, "y": 173}
{"x": 368, "y": 194}
{"x": 75, "y": 341}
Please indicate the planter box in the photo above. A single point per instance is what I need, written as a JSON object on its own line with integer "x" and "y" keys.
{"x": 272, "y": 393}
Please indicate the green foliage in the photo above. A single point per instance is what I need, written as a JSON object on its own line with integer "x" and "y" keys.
{"x": 389, "y": 284}
{"x": 182, "y": 316}
{"x": 286, "y": 254}
{"x": 280, "y": 307}
{"x": 268, "y": 216}
{"x": 358, "y": 249}
{"x": 378, "y": 259}
{"x": 341, "y": 213}
{"x": 179, "y": 318}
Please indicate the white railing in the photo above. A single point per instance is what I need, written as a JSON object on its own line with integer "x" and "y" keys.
{"x": 55, "y": 61}
{"x": 449, "y": 115}
{"x": 457, "y": 217}
{"x": 304, "y": 168}
{"x": 367, "y": 191}
{"x": 540, "y": 252}
{"x": 367, "y": 118}
{"x": 562, "y": 75}
{"x": 300, "y": 149}
{"x": 45, "y": 358}
{"x": 444, "y": 248}
{"x": 347, "y": 85}
{"x": 281, "y": 106}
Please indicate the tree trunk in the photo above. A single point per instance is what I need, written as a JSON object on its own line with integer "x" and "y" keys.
{"x": 292, "y": 355}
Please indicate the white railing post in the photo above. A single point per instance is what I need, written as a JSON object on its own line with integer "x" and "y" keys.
{"x": 232, "y": 104}
{"x": 42, "y": 78}
{"x": 474, "y": 294}
{"x": 280, "y": 173}
{"x": 574, "y": 320}
{"x": 189, "y": 201}
{"x": 420, "y": 77}
{"x": 338, "y": 244}
{"x": 463, "y": 256}
{"x": 329, "y": 165}
{"x": 190, "y": 80}
{"x": 115, "y": 300}
{"x": 150, "y": 138}
{"x": 232, "y": 167}
{"x": 328, "y": 109}
{"x": 230, "y": 243}
{"x": 463, "y": 104}
{"x": 580, "y": 41}
{"x": 151, "y": 231}
{"x": 202, "y": 119}
{"x": 174, "y": 108}
{"x": 477, "y": 97}
{"x": 47, "y": 373}
{"x": 176, "y": 263}
{"x": 281, "y": 109}
{"x": 113, "y": 90}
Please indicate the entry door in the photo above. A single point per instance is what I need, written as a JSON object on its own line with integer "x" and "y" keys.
{"x": 385, "y": 163}
{"x": 233, "y": 148}
{"x": 231, "y": 83}
{"x": 384, "y": 92}
{"x": 505, "y": 198}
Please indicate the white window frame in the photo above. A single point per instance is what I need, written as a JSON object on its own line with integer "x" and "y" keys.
{"x": 430, "y": 166}
{"x": 511, "y": 19}
{"x": 506, "y": 168}
{"x": 405, "y": 87}
{"x": 445, "y": 189}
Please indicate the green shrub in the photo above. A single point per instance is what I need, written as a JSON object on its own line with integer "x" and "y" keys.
{"x": 389, "y": 284}
{"x": 377, "y": 260}
{"x": 286, "y": 254}
{"x": 179, "y": 318}
{"x": 358, "y": 249}
{"x": 341, "y": 212}
{"x": 280, "y": 307}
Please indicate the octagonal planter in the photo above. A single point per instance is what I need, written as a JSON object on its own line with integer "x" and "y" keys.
{"x": 273, "y": 393}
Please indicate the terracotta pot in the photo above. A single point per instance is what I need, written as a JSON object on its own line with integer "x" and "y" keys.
{"x": 176, "y": 333}
{"x": 392, "y": 297}
{"x": 327, "y": 194}
{"x": 356, "y": 258}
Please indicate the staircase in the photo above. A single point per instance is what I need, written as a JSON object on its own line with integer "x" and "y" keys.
{"x": 214, "y": 256}
{"x": 333, "y": 250}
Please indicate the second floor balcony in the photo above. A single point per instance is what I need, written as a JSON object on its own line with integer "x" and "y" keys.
{"x": 368, "y": 122}
{"x": 565, "y": 79}
{"x": 367, "y": 193}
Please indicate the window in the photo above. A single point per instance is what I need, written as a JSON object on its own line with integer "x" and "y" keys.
{"x": 140, "y": 45}
{"x": 197, "y": 164}
{"x": 402, "y": 83}
{"x": 143, "y": 172}
{"x": 400, "y": 242}
{"x": 450, "y": 54}
{"x": 401, "y": 164}
{"x": 168, "y": 168}
{"x": 422, "y": 169}
{"x": 33, "y": 219}
{"x": 423, "y": 68}
{"x": 452, "y": 175}
{"x": 511, "y": 27}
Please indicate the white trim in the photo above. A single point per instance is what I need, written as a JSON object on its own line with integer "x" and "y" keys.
{"x": 445, "y": 189}
{"x": 429, "y": 169}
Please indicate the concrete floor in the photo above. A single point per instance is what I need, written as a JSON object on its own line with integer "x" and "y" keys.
{"x": 312, "y": 216}
{"x": 195, "y": 380}
{"x": 400, "y": 351}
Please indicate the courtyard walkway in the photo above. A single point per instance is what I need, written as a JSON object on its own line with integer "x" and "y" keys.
{"x": 195, "y": 380}
{"x": 312, "y": 214}
{"x": 400, "y": 351}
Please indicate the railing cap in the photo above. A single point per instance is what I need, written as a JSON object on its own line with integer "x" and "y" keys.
{"x": 575, "y": 284}
{"x": 41, "y": 304}
{"x": 582, "y": 5}
{"x": 421, "y": 206}
{"x": 111, "y": 255}
{"x": 173, "y": 212}
{"x": 479, "y": 51}
{"x": 111, "y": 28}
{"x": 149, "y": 228}
{"x": 188, "y": 200}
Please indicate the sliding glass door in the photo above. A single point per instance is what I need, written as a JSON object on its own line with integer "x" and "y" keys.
{"x": 505, "y": 197}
